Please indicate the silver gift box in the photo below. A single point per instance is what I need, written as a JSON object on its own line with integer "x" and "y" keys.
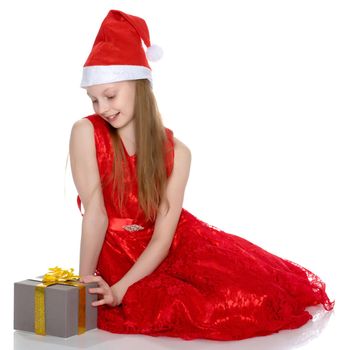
{"x": 61, "y": 307}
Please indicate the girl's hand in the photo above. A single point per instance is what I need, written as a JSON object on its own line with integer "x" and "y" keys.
{"x": 108, "y": 296}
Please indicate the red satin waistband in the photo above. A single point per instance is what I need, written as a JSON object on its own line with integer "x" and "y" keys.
{"x": 127, "y": 224}
{"x": 118, "y": 224}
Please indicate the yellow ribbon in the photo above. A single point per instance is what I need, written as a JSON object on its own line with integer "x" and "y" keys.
{"x": 57, "y": 276}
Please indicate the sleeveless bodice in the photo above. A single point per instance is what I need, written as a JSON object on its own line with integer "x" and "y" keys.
{"x": 104, "y": 154}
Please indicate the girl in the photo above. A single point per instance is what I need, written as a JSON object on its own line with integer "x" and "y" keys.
{"x": 161, "y": 270}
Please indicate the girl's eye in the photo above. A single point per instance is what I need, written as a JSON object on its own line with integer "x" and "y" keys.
{"x": 109, "y": 97}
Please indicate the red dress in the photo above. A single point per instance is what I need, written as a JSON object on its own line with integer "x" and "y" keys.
{"x": 212, "y": 284}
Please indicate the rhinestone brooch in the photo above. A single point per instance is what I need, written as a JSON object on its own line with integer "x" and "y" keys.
{"x": 133, "y": 227}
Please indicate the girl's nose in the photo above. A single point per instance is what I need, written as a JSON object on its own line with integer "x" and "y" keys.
{"x": 103, "y": 107}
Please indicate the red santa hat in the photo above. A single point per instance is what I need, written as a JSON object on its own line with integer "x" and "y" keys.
{"x": 117, "y": 53}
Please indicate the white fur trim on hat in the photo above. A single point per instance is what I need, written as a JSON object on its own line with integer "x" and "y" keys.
{"x": 109, "y": 74}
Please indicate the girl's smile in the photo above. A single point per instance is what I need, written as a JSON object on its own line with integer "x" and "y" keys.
{"x": 113, "y": 117}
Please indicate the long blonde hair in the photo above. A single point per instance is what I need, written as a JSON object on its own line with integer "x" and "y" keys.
{"x": 151, "y": 150}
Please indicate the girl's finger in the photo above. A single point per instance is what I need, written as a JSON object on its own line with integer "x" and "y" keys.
{"x": 92, "y": 278}
{"x": 99, "y": 302}
{"x": 96, "y": 290}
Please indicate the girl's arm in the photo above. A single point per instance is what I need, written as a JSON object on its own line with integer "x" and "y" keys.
{"x": 87, "y": 181}
{"x": 165, "y": 225}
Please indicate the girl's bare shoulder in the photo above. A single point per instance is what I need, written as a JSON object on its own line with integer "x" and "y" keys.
{"x": 181, "y": 148}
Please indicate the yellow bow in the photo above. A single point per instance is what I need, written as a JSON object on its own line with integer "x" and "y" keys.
{"x": 56, "y": 275}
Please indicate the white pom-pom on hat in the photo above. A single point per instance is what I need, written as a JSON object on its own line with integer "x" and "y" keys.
{"x": 154, "y": 52}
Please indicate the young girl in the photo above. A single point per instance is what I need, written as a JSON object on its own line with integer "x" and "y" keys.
{"x": 161, "y": 270}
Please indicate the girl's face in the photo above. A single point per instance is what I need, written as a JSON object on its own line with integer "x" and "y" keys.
{"x": 114, "y": 102}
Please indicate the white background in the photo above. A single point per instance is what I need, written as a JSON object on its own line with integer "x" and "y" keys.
{"x": 258, "y": 90}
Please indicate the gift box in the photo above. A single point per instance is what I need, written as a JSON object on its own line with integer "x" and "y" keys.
{"x": 57, "y": 306}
